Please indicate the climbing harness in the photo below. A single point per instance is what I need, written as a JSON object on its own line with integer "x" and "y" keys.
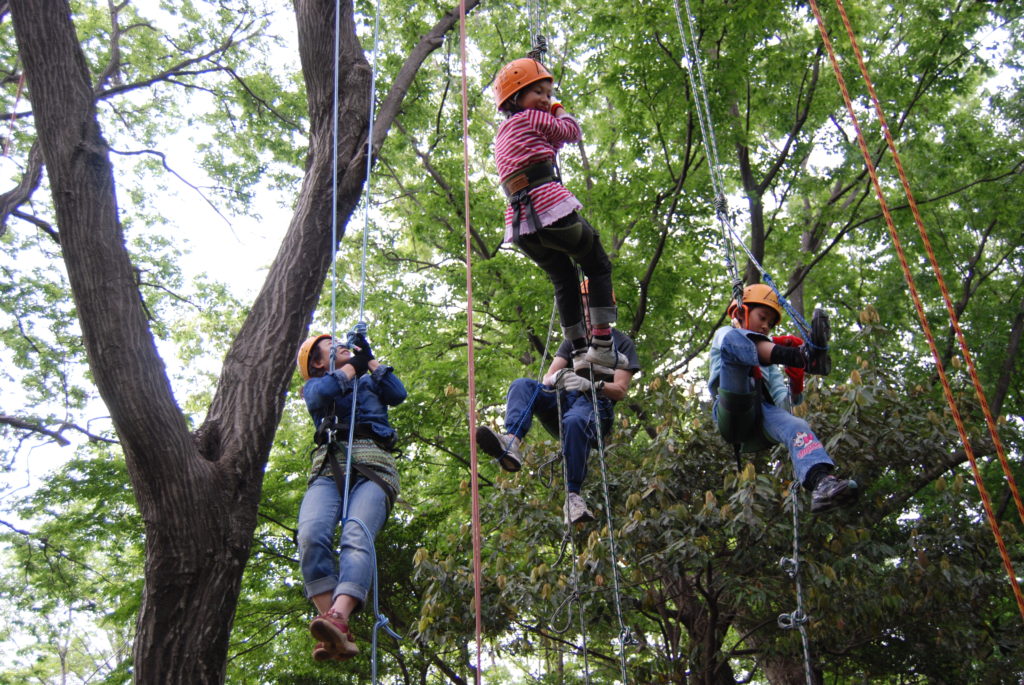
{"x": 791, "y": 566}
{"x": 517, "y": 189}
{"x": 918, "y": 305}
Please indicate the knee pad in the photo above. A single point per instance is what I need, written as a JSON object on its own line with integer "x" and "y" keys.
{"x": 739, "y": 421}
{"x": 738, "y": 415}
{"x": 573, "y": 239}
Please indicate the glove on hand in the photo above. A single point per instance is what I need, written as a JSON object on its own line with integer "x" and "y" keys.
{"x": 566, "y": 379}
{"x": 359, "y": 362}
{"x": 787, "y": 340}
{"x": 359, "y": 340}
{"x": 555, "y": 107}
{"x": 796, "y": 379}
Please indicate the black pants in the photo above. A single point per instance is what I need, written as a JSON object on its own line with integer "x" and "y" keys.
{"x": 557, "y": 249}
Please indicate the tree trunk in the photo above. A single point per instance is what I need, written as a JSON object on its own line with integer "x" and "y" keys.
{"x": 198, "y": 494}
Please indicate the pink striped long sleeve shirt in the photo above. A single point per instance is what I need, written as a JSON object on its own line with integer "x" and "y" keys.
{"x": 526, "y": 138}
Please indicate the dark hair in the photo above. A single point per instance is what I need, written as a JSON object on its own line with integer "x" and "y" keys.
{"x": 315, "y": 355}
{"x": 511, "y": 106}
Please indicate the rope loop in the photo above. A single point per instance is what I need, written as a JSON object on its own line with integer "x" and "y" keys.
{"x": 572, "y": 596}
{"x": 792, "y": 620}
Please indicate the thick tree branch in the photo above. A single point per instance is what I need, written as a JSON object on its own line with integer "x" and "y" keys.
{"x": 22, "y": 193}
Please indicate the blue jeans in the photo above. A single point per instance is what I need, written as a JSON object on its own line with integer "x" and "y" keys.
{"x": 527, "y": 397}
{"x": 319, "y": 515}
{"x": 738, "y": 354}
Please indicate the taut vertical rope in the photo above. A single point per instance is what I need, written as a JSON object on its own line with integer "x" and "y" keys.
{"x": 919, "y": 306}
{"x": 360, "y": 327}
{"x": 575, "y": 596}
{"x": 470, "y": 362}
{"x": 624, "y": 633}
{"x": 791, "y": 565}
{"x": 993, "y": 431}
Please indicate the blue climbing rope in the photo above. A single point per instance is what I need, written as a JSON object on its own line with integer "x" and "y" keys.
{"x": 360, "y": 327}
{"x": 695, "y": 73}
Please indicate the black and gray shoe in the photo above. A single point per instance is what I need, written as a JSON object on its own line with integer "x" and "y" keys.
{"x": 831, "y": 493}
{"x": 816, "y": 359}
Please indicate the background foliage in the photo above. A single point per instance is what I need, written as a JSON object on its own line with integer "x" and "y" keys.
{"x": 907, "y": 588}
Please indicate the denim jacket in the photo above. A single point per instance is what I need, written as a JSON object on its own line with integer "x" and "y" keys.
{"x": 376, "y": 392}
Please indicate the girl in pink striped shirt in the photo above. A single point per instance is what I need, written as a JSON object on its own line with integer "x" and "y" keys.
{"x": 542, "y": 217}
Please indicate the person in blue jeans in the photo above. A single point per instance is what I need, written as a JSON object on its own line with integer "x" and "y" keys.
{"x": 338, "y": 584}
{"x": 528, "y": 398}
{"x": 752, "y": 402}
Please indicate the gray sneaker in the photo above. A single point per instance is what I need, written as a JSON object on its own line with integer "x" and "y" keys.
{"x": 831, "y": 493}
{"x": 504, "y": 448}
{"x": 576, "y": 510}
{"x": 603, "y": 353}
{"x": 589, "y": 370}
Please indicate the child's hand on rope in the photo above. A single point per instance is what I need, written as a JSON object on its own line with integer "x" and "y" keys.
{"x": 787, "y": 340}
{"x": 796, "y": 379}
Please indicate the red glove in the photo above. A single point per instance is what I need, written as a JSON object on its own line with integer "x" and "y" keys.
{"x": 555, "y": 107}
{"x": 787, "y": 340}
{"x": 796, "y": 378}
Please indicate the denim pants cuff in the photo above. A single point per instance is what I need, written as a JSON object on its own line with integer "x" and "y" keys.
{"x": 320, "y": 586}
{"x": 352, "y": 590}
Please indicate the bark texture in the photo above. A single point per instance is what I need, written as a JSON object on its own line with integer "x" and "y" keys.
{"x": 198, "y": 493}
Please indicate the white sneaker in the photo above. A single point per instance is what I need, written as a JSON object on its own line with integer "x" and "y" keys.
{"x": 603, "y": 353}
{"x": 576, "y": 510}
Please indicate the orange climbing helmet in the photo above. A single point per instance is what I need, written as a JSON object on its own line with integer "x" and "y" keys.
{"x": 515, "y": 76}
{"x": 757, "y": 293}
{"x": 302, "y": 359}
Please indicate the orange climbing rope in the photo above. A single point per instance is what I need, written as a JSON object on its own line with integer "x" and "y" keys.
{"x": 473, "y": 479}
{"x": 947, "y": 391}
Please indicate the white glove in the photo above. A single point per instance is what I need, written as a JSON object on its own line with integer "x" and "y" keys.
{"x": 566, "y": 379}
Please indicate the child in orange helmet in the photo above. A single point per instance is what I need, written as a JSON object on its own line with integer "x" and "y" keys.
{"x": 542, "y": 218}
{"x": 752, "y": 403}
